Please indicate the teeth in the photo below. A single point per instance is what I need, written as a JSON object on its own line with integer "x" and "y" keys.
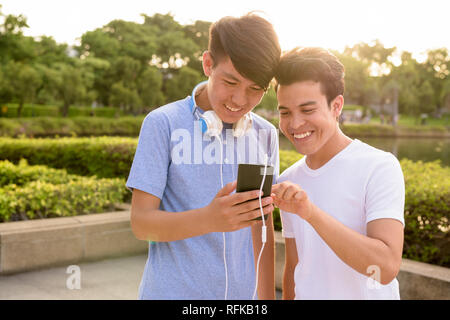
{"x": 303, "y": 135}
{"x": 233, "y": 109}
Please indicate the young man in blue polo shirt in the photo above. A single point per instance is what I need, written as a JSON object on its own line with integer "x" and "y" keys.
{"x": 203, "y": 239}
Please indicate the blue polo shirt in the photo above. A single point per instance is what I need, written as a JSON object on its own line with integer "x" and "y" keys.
{"x": 175, "y": 162}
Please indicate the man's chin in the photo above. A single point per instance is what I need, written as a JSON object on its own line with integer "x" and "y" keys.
{"x": 302, "y": 149}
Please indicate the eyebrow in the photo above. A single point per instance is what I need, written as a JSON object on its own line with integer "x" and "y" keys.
{"x": 304, "y": 104}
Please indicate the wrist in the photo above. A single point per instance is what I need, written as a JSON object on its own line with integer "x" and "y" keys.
{"x": 204, "y": 221}
{"x": 312, "y": 213}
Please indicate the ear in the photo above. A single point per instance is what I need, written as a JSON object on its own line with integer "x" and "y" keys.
{"x": 336, "y": 106}
{"x": 207, "y": 63}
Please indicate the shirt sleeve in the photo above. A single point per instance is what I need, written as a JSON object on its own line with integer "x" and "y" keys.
{"x": 385, "y": 193}
{"x": 151, "y": 161}
{"x": 287, "y": 224}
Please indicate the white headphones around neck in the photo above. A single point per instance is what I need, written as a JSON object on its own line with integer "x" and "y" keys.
{"x": 211, "y": 123}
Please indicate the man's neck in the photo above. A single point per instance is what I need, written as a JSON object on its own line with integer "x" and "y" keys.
{"x": 338, "y": 142}
{"x": 202, "y": 99}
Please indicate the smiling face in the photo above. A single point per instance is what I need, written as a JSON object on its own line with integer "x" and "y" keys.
{"x": 307, "y": 120}
{"x": 228, "y": 93}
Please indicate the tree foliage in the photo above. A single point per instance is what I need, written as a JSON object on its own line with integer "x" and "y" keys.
{"x": 139, "y": 66}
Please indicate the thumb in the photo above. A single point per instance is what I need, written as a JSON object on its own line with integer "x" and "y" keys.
{"x": 227, "y": 189}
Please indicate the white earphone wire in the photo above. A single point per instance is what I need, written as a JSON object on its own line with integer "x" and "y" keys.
{"x": 264, "y": 228}
{"x": 223, "y": 233}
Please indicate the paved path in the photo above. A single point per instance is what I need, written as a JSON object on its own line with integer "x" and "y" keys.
{"x": 112, "y": 279}
{"x": 108, "y": 279}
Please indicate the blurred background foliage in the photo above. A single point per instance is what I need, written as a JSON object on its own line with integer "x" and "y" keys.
{"x": 136, "y": 67}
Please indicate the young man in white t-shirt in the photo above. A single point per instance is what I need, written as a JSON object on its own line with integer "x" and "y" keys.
{"x": 342, "y": 204}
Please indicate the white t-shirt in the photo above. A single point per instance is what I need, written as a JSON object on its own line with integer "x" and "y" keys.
{"x": 358, "y": 185}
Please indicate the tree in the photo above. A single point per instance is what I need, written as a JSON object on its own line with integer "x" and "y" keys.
{"x": 181, "y": 83}
{"x": 416, "y": 93}
{"x": 445, "y": 96}
{"x": 136, "y": 41}
{"x": 127, "y": 47}
{"x": 374, "y": 54}
{"x": 438, "y": 63}
{"x": 22, "y": 82}
{"x": 4, "y": 94}
{"x": 173, "y": 48}
{"x": 437, "y": 68}
{"x": 426, "y": 98}
{"x": 360, "y": 86}
{"x": 99, "y": 44}
{"x": 48, "y": 52}
{"x": 125, "y": 68}
{"x": 123, "y": 75}
{"x": 389, "y": 96}
{"x": 199, "y": 33}
{"x": 149, "y": 86}
{"x": 69, "y": 86}
{"x": 124, "y": 97}
{"x": 95, "y": 71}
{"x": 13, "y": 44}
{"x": 47, "y": 93}
{"x": 130, "y": 48}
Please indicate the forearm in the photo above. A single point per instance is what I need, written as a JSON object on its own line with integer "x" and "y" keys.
{"x": 288, "y": 283}
{"x": 266, "y": 276}
{"x": 290, "y": 263}
{"x": 355, "y": 249}
{"x": 163, "y": 226}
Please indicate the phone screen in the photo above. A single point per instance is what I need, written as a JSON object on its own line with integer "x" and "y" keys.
{"x": 250, "y": 177}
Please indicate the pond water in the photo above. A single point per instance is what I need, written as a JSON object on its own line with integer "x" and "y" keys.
{"x": 425, "y": 149}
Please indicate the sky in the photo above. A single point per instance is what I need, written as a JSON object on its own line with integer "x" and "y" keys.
{"x": 410, "y": 25}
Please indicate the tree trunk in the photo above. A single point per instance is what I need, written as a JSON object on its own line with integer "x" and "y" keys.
{"x": 65, "y": 109}
{"x": 19, "y": 110}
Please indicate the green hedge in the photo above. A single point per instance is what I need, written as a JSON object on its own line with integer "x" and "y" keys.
{"x": 77, "y": 126}
{"x": 427, "y": 212}
{"x": 22, "y": 173}
{"x": 383, "y": 130}
{"x": 105, "y": 157}
{"x": 130, "y": 126}
{"x": 36, "y": 110}
{"x": 36, "y": 195}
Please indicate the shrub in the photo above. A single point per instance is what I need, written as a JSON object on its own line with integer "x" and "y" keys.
{"x": 81, "y": 126}
{"x": 70, "y": 127}
{"x": 427, "y": 208}
{"x": 105, "y": 157}
{"x": 370, "y": 130}
{"x": 36, "y": 110}
{"x": 30, "y": 197}
{"x": 22, "y": 173}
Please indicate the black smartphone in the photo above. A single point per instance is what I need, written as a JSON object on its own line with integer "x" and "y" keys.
{"x": 250, "y": 177}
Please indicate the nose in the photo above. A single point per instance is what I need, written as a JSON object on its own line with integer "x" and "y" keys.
{"x": 239, "y": 98}
{"x": 296, "y": 122}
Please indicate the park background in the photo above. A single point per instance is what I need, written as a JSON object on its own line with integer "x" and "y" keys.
{"x": 70, "y": 113}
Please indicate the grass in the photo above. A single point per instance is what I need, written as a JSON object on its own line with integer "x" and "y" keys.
{"x": 410, "y": 121}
